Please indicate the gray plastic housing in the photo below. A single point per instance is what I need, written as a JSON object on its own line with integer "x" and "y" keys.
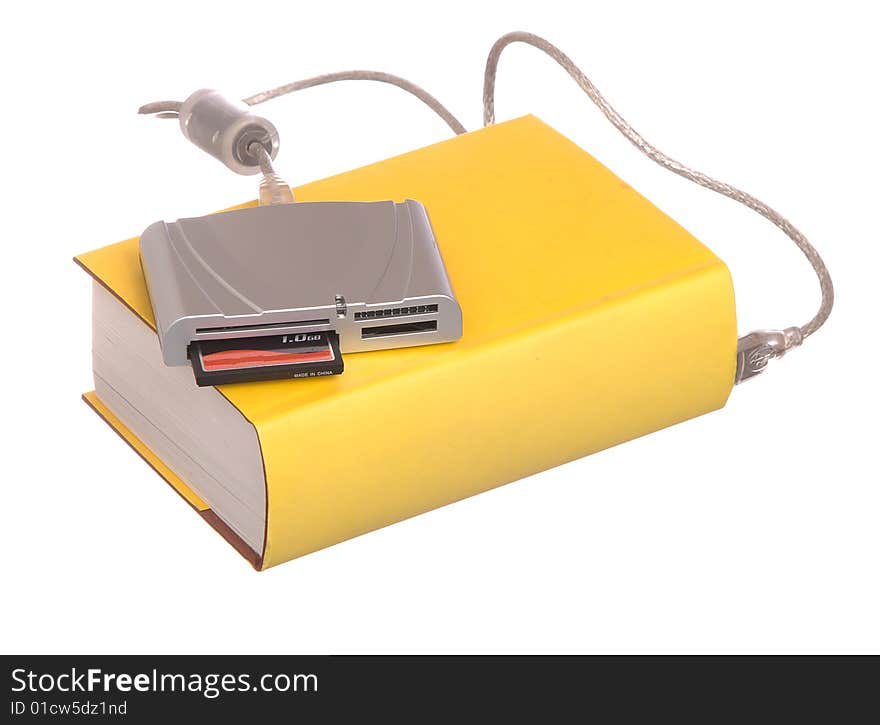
{"x": 371, "y": 271}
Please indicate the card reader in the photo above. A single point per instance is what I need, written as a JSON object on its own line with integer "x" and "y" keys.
{"x": 370, "y": 272}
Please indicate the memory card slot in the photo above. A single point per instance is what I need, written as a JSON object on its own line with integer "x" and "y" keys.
{"x": 396, "y": 312}
{"x": 406, "y": 328}
{"x": 260, "y": 328}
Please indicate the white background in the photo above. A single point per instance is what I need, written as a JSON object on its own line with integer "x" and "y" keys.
{"x": 751, "y": 529}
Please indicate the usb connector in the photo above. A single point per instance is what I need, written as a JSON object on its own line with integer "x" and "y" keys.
{"x": 756, "y": 349}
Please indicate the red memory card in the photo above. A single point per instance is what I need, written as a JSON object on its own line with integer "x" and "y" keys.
{"x": 301, "y": 355}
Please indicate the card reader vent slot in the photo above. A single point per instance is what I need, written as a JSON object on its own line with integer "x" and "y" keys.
{"x": 257, "y": 328}
{"x": 405, "y": 328}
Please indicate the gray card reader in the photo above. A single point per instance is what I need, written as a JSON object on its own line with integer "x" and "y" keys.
{"x": 371, "y": 272}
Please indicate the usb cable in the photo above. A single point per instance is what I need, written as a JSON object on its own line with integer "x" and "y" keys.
{"x": 249, "y": 154}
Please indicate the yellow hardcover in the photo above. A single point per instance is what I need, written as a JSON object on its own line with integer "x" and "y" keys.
{"x": 590, "y": 318}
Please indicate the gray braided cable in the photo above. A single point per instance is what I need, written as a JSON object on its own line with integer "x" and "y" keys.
{"x": 757, "y": 348}
{"x": 753, "y": 350}
{"x": 169, "y": 109}
{"x": 363, "y": 75}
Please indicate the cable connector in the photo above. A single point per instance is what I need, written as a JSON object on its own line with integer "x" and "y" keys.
{"x": 273, "y": 189}
{"x": 756, "y": 349}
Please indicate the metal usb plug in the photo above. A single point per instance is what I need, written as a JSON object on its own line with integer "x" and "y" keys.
{"x": 755, "y": 350}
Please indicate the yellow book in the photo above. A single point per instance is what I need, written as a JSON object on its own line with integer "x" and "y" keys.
{"x": 590, "y": 318}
